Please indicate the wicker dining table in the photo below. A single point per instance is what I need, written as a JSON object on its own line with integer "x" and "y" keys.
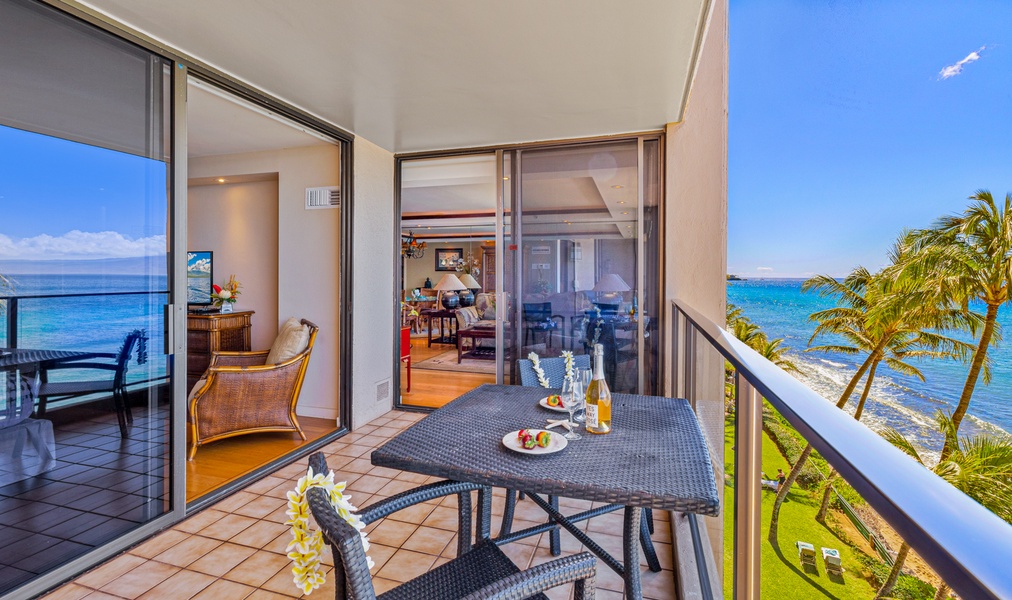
{"x": 655, "y": 457}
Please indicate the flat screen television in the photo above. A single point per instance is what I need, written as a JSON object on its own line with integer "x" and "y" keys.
{"x": 199, "y": 276}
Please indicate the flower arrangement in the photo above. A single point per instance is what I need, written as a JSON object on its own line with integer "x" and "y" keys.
{"x": 306, "y": 547}
{"x": 567, "y": 355}
{"x": 228, "y": 293}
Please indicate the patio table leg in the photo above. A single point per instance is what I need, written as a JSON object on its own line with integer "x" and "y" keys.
{"x": 648, "y": 544}
{"x": 554, "y": 536}
{"x": 507, "y": 512}
{"x": 631, "y": 552}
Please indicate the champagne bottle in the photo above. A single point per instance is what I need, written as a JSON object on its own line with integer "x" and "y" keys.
{"x": 598, "y": 397}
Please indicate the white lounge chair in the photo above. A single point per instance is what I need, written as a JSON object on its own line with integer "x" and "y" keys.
{"x": 806, "y": 554}
{"x": 831, "y": 556}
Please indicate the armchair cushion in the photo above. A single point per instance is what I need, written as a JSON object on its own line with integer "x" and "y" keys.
{"x": 292, "y": 339}
{"x": 466, "y": 317}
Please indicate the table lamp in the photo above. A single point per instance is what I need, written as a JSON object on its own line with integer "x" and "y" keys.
{"x": 448, "y": 286}
{"x": 467, "y": 297}
{"x": 610, "y": 285}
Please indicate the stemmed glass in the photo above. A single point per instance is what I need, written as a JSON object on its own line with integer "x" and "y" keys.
{"x": 584, "y": 376}
{"x": 572, "y": 397}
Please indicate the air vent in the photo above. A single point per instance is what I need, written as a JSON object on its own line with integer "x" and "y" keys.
{"x": 323, "y": 197}
{"x": 383, "y": 390}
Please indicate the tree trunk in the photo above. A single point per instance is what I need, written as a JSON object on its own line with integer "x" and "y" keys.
{"x": 826, "y": 495}
{"x": 866, "y": 391}
{"x": 887, "y": 587}
{"x": 971, "y": 378}
{"x": 943, "y": 592}
{"x": 803, "y": 458}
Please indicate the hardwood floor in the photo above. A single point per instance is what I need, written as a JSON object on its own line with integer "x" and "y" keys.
{"x": 226, "y": 460}
{"x": 435, "y": 388}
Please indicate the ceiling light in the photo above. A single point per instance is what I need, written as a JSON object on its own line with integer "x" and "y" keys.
{"x": 625, "y": 212}
{"x": 221, "y": 180}
{"x": 621, "y": 201}
{"x": 617, "y": 187}
{"x": 505, "y": 178}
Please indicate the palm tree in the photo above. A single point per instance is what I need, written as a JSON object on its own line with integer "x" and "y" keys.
{"x": 968, "y": 257}
{"x": 979, "y": 466}
{"x": 886, "y": 323}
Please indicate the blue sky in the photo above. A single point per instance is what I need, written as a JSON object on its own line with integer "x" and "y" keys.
{"x": 843, "y": 131}
{"x": 65, "y": 200}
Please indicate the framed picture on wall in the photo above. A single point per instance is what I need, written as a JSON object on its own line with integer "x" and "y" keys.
{"x": 446, "y": 258}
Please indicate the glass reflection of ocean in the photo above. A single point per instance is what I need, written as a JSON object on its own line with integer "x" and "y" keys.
{"x": 98, "y": 323}
{"x": 906, "y": 403}
{"x": 198, "y": 289}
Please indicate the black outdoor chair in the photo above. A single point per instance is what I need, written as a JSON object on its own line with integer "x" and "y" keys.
{"x": 115, "y": 383}
{"x": 538, "y": 318}
{"x": 479, "y": 571}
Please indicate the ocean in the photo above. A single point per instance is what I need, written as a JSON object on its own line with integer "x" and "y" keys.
{"x": 98, "y": 323}
{"x": 896, "y": 400}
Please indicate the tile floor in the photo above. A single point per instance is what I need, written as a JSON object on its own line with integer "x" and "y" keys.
{"x": 101, "y": 487}
{"x": 236, "y": 548}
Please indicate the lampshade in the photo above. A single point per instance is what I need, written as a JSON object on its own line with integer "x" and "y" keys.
{"x": 450, "y": 282}
{"x": 469, "y": 281}
{"x": 611, "y": 283}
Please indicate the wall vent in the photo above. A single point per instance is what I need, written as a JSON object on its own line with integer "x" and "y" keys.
{"x": 323, "y": 197}
{"x": 383, "y": 390}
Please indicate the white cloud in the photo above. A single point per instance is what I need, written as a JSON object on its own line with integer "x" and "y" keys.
{"x": 81, "y": 245}
{"x": 764, "y": 269}
{"x": 200, "y": 266}
{"x": 956, "y": 69}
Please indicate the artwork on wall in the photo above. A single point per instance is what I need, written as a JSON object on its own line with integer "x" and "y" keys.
{"x": 446, "y": 258}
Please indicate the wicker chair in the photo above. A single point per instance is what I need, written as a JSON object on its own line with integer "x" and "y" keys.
{"x": 479, "y": 571}
{"x": 240, "y": 394}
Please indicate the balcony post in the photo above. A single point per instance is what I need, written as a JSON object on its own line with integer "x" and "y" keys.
{"x": 12, "y": 322}
{"x": 747, "y": 490}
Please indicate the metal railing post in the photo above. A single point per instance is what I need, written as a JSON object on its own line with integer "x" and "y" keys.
{"x": 12, "y": 322}
{"x": 747, "y": 490}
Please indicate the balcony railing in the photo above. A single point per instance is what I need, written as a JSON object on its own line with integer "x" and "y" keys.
{"x": 968, "y": 546}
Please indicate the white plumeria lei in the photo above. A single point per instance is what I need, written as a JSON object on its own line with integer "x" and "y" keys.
{"x": 306, "y": 547}
{"x": 568, "y": 356}
{"x": 538, "y": 370}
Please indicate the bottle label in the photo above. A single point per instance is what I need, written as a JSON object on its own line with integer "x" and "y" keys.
{"x": 592, "y": 416}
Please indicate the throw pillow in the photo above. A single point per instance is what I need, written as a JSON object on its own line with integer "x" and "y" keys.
{"x": 292, "y": 339}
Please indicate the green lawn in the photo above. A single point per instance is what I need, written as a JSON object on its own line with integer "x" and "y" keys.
{"x": 782, "y": 576}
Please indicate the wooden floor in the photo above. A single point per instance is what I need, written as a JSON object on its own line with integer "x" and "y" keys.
{"x": 435, "y": 388}
{"x": 226, "y": 460}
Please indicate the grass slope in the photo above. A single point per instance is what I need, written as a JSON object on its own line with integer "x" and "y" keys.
{"x": 782, "y": 575}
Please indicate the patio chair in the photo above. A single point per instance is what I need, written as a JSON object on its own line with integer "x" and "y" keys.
{"x": 479, "y": 571}
{"x": 114, "y": 383}
{"x": 538, "y": 318}
{"x": 252, "y": 392}
{"x": 806, "y": 555}
{"x": 831, "y": 557}
{"x": 554, "y": 368}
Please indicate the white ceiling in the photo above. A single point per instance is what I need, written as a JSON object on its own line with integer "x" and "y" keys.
{"x": 411, "y": 75}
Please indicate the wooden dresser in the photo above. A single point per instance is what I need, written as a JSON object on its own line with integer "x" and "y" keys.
{"x": 214, "y": 332}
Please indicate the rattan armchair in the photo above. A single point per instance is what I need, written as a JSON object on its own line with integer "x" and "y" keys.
{"x": 239, "y": 395}
{"x": 479, "y": 572}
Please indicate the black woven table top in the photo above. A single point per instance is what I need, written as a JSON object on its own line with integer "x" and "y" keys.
{"x": 16, "y": 357}
{"x": 654, "y": 457}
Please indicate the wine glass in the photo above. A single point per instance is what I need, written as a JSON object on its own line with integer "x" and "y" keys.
{"x": 572, "y": 396}
{"x": 584, "y": 376}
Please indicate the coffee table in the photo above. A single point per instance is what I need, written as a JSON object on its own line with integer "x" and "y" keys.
{"x": 474, "y": 334}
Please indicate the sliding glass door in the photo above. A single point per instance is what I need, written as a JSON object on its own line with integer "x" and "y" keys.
{"x": 84, "y": 282}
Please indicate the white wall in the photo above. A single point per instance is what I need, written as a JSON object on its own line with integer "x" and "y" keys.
{"x": 376, "y": 287}
{"x": 309, "y": 265}
{"x": 239, "y": 223}
{"x": 696, "y": 225}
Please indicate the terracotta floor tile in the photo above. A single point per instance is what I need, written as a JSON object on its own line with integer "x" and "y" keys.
{"x": 368, "y": 485}
{"x": 98, "y": 595}
{"x": 110, "y": 571}
{"x": 382, "y": 585}
{"x": 140, "y": 579}
{"x": 413, "y": 514}
{"x": 384, "y": 472}
{"x": 428, "y": 540}
{"x": 235, "y": 501}
{"x": 260, "y": 507}
{"x": 200, "y": 521}
{"x": 520, "y": 554}
{"x": 657, "y": 585}
{"x": 392, "y": 533}
{"x": 223, "y": 589}
{"x": 396, "y": 486}
{"x": 227, "y": 527}
{"x": 405, "y": 565}
{"x": 284, "y": 583}
{"x": 266, "y": 595}
{"x": 266, "y": 484}
{"x": 181, "y": 586}
{"x": 359, "y": 465}
{"x": 187, "y": 551}
{"x": 258, "y": 568}
{"x": 160, "y": 543}
{"x": 222, "y": 559}
{"x": 380, "y": 554}
{"x": 260, "y": 534}
{"x": 443, "y": 518}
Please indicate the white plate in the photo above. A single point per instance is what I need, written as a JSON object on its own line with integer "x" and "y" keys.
{"x": 555, "y": 443}
{"x": 544, "y": 404}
